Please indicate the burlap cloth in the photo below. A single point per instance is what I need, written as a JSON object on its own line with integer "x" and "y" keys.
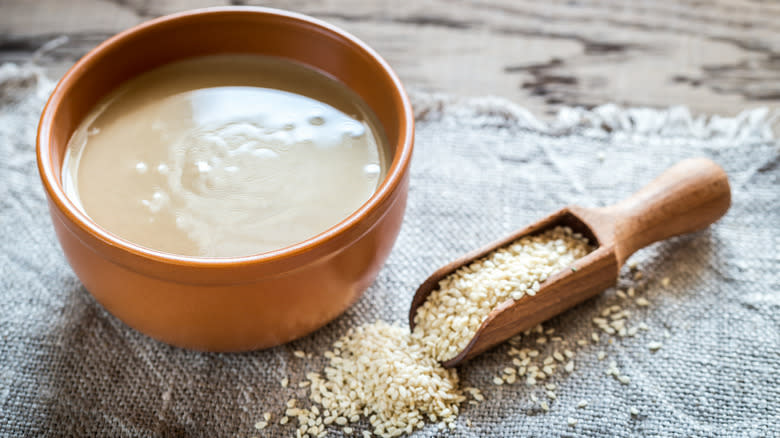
{"x": 482, "y": 167}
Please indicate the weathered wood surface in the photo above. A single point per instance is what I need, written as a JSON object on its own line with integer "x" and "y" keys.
{"x": 715, "y": 56}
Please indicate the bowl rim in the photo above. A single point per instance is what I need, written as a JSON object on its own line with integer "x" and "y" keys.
{"x": 395, "y": 174}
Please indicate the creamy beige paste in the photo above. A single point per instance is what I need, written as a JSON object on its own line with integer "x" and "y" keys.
{"x": 225, "y": 156}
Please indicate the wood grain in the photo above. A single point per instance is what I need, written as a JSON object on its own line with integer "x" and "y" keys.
{"x": 688, "y": 197}
{"x": 718, "y": 56}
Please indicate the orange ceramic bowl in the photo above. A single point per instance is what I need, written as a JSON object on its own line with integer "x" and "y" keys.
{"x": 242, "y": 303}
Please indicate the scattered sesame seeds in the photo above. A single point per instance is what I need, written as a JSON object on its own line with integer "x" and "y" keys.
{"x": 415, "y": 389}
{"x": 654, "y": 346}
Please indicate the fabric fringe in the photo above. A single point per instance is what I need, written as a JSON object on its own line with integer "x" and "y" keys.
{"x": 753, "y": 125}
{"x": 608, "y": 119}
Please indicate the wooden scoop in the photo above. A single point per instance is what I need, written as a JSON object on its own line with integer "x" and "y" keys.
{"x": 687, "y": 197}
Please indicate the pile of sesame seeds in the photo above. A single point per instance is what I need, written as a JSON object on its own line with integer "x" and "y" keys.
{"x": 383, "y": 381}
{"x": 451, "y": 315}
{"x": 377, "y": 371}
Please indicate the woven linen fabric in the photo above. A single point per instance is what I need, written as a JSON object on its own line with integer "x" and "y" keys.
{"x": 481, "y": 168}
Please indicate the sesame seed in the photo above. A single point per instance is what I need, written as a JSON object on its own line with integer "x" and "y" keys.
{"x": 267, "y": 416}
{"x": 634, "y": 411}
{"x": 654, "y": 346}
{"x": 641, "y": 301}
{"x": 284, "y": 382}
{"x": 624, "y": 380}
{"x": 582, "y": 404}
{"x": 601, "y": 355}
{"x": 572, "y": 421}
{"x": 299, "y": 353}
{"x": 260, "y": 425}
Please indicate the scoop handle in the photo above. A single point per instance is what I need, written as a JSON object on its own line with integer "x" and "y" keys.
{"x": 687, "y": 197}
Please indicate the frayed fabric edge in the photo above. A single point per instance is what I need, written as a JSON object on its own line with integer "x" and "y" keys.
{"x": 18, "y": 80}
{"x": 754, "y": 125}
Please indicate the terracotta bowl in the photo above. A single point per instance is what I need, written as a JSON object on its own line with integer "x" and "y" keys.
{"x": 242, "y": 303}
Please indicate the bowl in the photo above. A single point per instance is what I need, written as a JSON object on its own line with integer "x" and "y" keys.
{"x": 240, "y": 303}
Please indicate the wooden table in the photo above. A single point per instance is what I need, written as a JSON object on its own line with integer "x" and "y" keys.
{"x": 715, "y": 56}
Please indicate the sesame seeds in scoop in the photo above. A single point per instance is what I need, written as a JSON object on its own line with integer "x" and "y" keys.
{"x": 451, "y": 315}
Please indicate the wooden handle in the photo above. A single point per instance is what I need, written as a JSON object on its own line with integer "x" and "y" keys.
{"x": 688, "y": 197}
